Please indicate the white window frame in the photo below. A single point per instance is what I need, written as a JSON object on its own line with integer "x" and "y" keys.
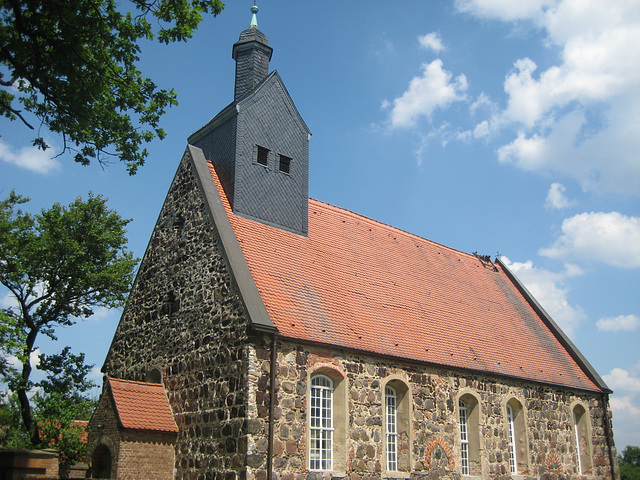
{"x": 464, "y": 437}
{"x": 577, "y": 433}
{"x": 391, "y": 417}
{"x": 321, "y": 423}
{"x": 513, "y": 461}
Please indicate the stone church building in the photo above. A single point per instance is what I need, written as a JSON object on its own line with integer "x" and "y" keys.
{"x": 270, "y": 335}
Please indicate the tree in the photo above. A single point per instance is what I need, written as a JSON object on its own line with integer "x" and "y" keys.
{"x": 61, "y": 402}
{"x": 73, "y": 64}
{"x": 629, "y": 463}
{"x": 58, "y": 265}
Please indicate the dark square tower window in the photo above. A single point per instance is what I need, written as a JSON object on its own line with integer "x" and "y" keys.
{"x": 263, "y": 155}
{"x": 285, "y": 164}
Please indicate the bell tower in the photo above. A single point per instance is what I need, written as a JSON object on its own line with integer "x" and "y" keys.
{"x": 259, "y": 144}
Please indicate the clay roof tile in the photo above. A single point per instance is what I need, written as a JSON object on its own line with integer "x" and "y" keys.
{"x": 142, "y": 406}
{"x": 358, "y": 283}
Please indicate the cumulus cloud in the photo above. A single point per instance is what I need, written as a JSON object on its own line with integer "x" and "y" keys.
{"x": 610, "y": 238}
{"x": 505, "y": 10}
{"x": 431, "y": 41}
{"x": 556, "y": 198}
{"x": 34, "y": 360}
{"x": 549, "y": 289}
{"x": 8, "y": 301}
{"x": 628, "y": 323}
{"x": 31, "y": 158}
{"x": 434, "y": 88}
{"x": 578, "y": 117}
{"x": 625, "y": 403}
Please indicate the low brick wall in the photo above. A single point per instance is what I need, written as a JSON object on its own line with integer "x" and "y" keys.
{"x": 28, "y": 464}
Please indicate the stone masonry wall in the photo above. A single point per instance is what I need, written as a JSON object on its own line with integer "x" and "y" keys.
{"x": 185, "y": 319}
{"x": 434, "y": 440}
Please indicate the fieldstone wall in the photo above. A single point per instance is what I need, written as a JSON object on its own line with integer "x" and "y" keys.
{"x": 433, "y": 440}
{"x": 184, "y": 318}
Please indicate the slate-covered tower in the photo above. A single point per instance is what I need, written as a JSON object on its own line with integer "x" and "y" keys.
{"x": 259, "y": 144}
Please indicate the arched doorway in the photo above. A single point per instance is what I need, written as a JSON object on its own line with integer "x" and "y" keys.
{"x": 101, "y": 462}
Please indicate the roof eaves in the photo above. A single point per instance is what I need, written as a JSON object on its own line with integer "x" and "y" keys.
{"x": 415, "y": 361}
{"x": 249, "y": 294}
{"x": 555, "y": 330}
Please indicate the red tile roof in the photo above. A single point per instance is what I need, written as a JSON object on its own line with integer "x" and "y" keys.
{"x": 361, "y": 284}
{"x": 142, "y": 406}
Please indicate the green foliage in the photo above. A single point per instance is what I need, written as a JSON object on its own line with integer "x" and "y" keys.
{"x": 73, "y": 64}
{"x": 58, "y": 265}
{"x": 57, "y": 415}
{"x": 12, "y": 434}
{"x": 629, "y": 463}
{"x": 62, "y": 403}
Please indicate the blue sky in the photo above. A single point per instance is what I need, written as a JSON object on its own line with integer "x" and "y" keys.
{"x": 490, "y": 126}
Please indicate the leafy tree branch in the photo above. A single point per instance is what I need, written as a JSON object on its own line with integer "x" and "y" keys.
{"x": 73, "y": 65}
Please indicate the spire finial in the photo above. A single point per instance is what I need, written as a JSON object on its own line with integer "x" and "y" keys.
{"x": 254, "y": 18}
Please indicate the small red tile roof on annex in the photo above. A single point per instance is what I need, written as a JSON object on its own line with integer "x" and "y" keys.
{"x": 142, "y": 406}
{"x": 357, "y": 283}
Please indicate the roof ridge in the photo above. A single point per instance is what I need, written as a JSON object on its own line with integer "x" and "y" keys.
{"x": 391, "y": 227}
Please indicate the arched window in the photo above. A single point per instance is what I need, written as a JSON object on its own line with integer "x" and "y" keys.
{"x": 327, "y": 421}
{"x": 513, "y": 462}
{"x": 517, "y": 436}
{"x": 397, "y": 426}
{"x": 391, "y": 418}
{"x": 468, "y": 414}
{"x": 321, "y": 421}
{"x": 154, "y": 375}
{"x": 581, "y": 428}
{"x": 464, "y": 437}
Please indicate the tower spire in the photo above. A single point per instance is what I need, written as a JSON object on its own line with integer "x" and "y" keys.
{"x": 252, "y": 54}
{"x": 254, "y": 17}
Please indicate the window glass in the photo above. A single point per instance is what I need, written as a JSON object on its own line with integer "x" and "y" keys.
{"x": 321, "y": 421}
{"x": 512, "y": 440}
{"x": 391, "y": 402}
{"x": 464, "y": 438}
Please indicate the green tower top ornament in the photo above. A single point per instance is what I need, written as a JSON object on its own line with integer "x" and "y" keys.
{"x": 254, "y": 17}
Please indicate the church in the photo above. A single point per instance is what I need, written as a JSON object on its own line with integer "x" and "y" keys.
{"x": 269, "y": 335}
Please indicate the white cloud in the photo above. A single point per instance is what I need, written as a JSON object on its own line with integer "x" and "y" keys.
{"x": 31, "y": 158}
{"x": 483, "y": 102}
{"x": 578, "y": 117}
{"x": 431, "y": 41}
{"x": 34, "y": 359}
{"x": 625, "y": 403}
{"x": 505, "y": 10}
{"x": 549, "y": 289}
{"x": 610, "y": 238}
{"x": 8, "y": 301}
{"x": 556, "y": 198}
{"x": 433, "y": 89}
{"x": 628, "y": 323}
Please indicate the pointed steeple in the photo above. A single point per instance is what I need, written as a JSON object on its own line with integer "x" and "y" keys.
{"x": 252, "y": 54}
